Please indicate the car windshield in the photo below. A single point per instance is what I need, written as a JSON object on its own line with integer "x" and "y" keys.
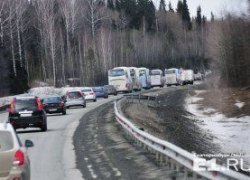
{"x": 74, "y": 94}
{"x": 6, "y": 141}
{"x": 155, "y": 72}
{"x": 98, "y": 89}
{"x": 117, "y": 72}
{"x": 86, "y": 90}
{"x": 170, "y": 72}
{"x": 142, "y": 72}
{"x": 52, "y": 100}
{"x": 25, "y": 104}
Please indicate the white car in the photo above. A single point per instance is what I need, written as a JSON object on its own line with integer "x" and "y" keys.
{"x": 89, "y": 93}
{"x": 14, "y": 159}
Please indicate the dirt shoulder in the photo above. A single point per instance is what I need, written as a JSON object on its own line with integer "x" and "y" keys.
{"x": 169, "y": 121}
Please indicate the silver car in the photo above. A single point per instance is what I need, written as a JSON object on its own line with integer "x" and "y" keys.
{"x": 75, "y": 98}
{"x": 14, "y": 160}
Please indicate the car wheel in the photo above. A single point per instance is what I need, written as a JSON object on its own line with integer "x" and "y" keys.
{"x": 64, "y": 112}
{"x": 94, "y": 100}
{"x": 44, "y": 127}
{"x": 84, "y": 106}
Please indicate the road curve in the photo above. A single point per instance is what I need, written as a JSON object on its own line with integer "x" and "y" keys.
{"x": 53, "y": 156}
{"x": 103, "y": 152}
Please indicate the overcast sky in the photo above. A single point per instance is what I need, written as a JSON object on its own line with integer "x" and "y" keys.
{"x": 217, "y": 6}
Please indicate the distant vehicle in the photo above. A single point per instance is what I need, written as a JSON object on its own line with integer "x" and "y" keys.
{"x": 120, "y": 78}
{"x": 134, "y": 73}
{"x": 101, "y": 92}
{"x": 157, "y": 78}
{"x": 54, "y": 104}
{"x": 171, "y": 76}
{"x": 198, "y": 76}
{"x": 89, "y": 94}
{"x": 144, "y": 78}
{"x": 15, "y": 163}
{"x": 181, "y": 76}
{"x": 75, "y": 98}
{"x": 189, "y": 76}
{"x": 27, "y": 111}
{"x": 110, "y": 89}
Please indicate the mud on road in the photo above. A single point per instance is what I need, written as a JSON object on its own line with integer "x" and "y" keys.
{"x": 103, "y": 152}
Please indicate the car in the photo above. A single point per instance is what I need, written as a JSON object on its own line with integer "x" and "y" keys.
{"x": 75, "y": 98}
{"x": 27, "y": 111}
{"x": 54, "y": 104}
{"x": 89, "y": 93}
{"x": 15, "y": 163}
{"x": 101, "y": 92}
{"x": 111, "y": 90}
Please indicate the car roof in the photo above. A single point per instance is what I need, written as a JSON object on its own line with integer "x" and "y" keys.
{"x": 74, "y": 91}
{"x": 6, "y": 127}
{"x": 86, "y": 88}
{"x": 50, "y": 96}
{"x": 25, "y": 97}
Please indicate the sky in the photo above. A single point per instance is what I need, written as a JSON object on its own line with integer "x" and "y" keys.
{"x": 217, "y": 6}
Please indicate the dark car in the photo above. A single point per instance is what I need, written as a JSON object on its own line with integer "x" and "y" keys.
{"x": 27, "y": 111}
{"x": 54, "y": 104}
{"x": 111, "y": 89}
{"x": 101, "y": 92}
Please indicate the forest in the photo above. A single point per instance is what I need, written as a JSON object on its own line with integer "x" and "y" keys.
{"x": 57, "y": 41}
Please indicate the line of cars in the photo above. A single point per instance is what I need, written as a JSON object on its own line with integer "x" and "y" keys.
{"x": 128, "y": 79}
{"x": 31, "y": 111}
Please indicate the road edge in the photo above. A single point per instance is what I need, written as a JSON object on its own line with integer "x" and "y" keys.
{"x": 69, "y": 154}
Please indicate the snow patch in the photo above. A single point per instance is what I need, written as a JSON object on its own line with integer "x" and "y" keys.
{"x": 239, "y": 104}
{"x": 232, "y": 134}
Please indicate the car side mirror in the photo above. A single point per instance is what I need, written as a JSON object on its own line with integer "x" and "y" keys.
{"x": 29, "y": 144}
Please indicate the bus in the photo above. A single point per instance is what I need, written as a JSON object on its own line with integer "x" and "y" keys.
{"x": 171, "y": 76}
{"x": 157, "y": 78}
{"x": 134, "y": 73}
{"x": 144, "y": 78}
{"x": 120, "y": 78}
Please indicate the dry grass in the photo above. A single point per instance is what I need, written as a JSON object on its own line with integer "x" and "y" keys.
{"x": 145, "y": 118}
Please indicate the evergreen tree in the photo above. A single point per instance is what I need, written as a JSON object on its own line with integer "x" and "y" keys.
{"x": 186, "y": 16}
{"x": 198, "y": 17}
{"x": 212, "y": 16}
{"x": 110, "y": 4}
{"x": 170, "y": 8}
{"x": 118, "y": 5}
{"x": 162, "y": 6}
{"x": 179, "y": 7}
{"x": 204, "y": 20}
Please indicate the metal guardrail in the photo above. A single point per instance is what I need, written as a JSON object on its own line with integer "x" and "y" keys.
{"x": 177, "y": 159}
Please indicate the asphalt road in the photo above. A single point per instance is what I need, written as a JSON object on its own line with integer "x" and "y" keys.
{"x": 53, "y": 155}
{"x": 103, "y": 152}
